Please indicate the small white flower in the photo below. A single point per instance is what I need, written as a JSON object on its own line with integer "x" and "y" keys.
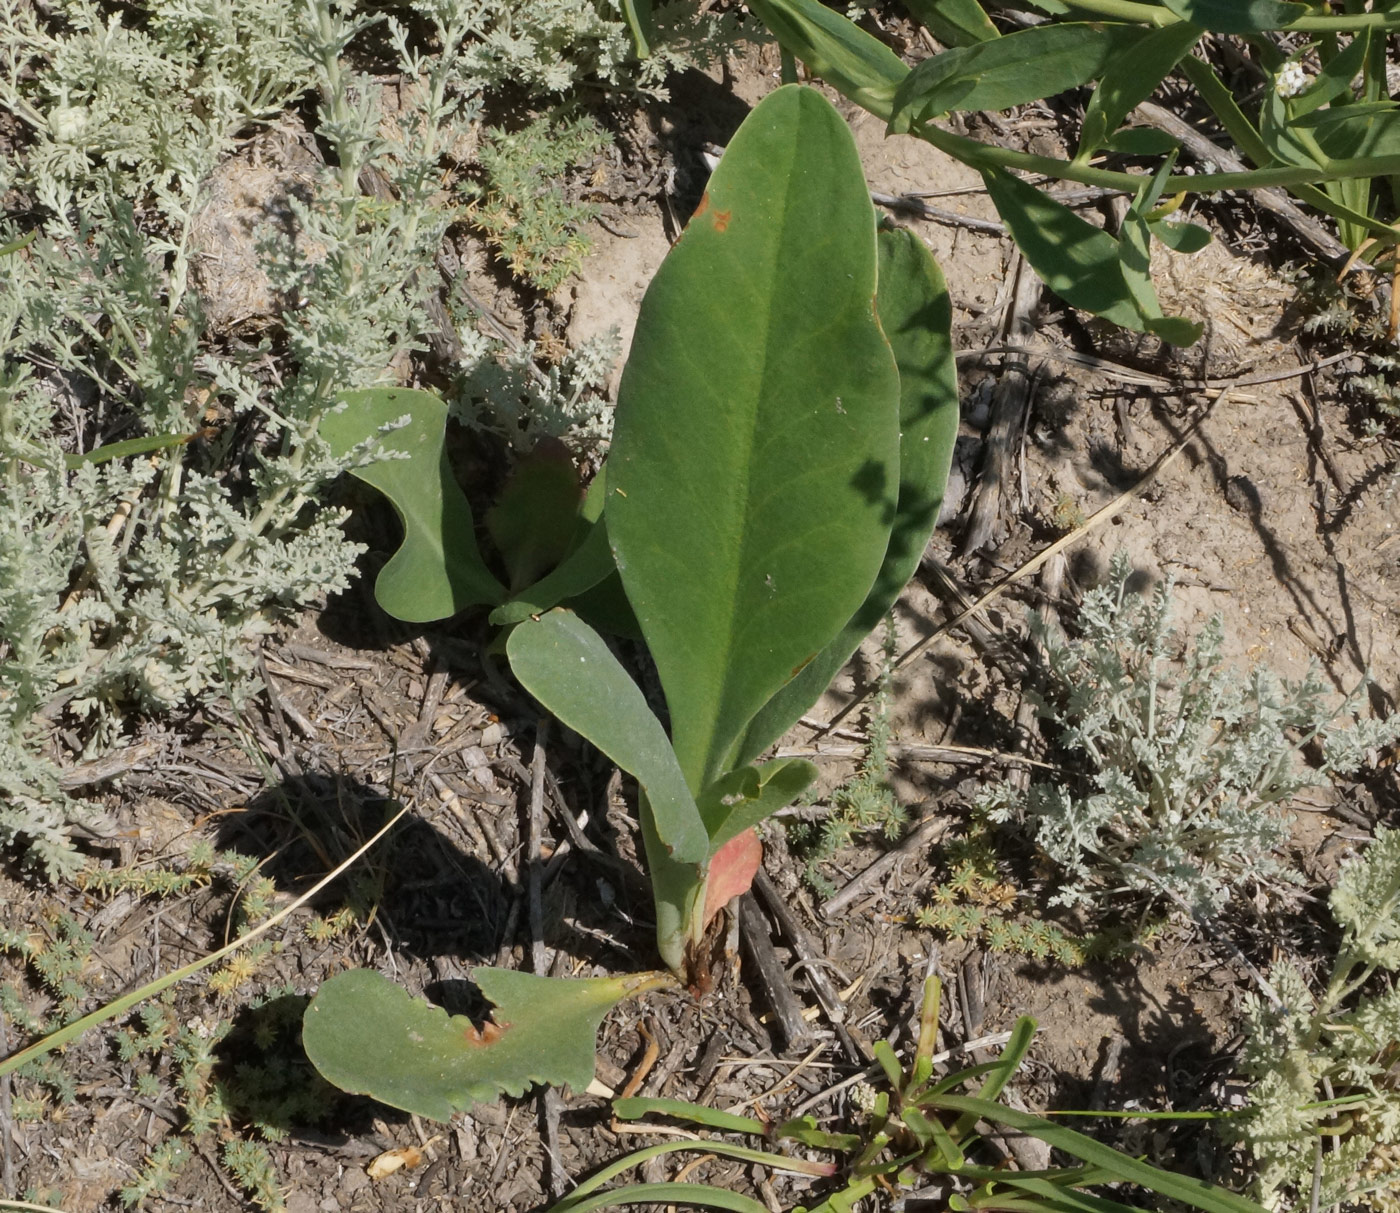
{"x": 1292, "y": 80}
{"x": 863, "y": 1097}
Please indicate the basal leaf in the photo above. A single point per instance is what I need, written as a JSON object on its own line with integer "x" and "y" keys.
{"x": 954, "y": 22}
{"x": 1078, "y": 261}
{"x": 584, "y": 568}
{"x": 748, "y": 795}
{"x": 856, "y": 64}
{"x": 916, "y": 315}
{"x": 731, "y": 872}
{"x": 1012, "y": 70}
{"x": 369, "y": 1036}
{"x": 1237, "y": 16}
{"x": 753, "y": 473}
{"x": 564, "y": 664}
{"x": 536, "y": 518}
{"x": 438, "y": 570}
{"x": 583, "y": 571}
{"x": 1129, "y": 79}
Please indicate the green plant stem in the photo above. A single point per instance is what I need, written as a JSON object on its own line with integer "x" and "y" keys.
{"x": 982, "y": 155}
{"x": 1151, "y": 14}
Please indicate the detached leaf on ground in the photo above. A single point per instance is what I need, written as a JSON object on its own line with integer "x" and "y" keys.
{"x": 369, "y": 1036}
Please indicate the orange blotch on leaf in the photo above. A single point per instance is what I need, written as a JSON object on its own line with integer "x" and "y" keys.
{"x": 721, "y": 220}
{"x": 489, "y": 1034}
{"x": 704, "y": 205}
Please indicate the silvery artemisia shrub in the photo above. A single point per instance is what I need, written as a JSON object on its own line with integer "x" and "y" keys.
{"x": 146, "y": 580}
{"x": 1188, "y": 762}
{"x": 1322, "y": 1119}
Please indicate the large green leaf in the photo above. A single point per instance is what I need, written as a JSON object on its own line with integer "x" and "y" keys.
{"x": 854, "y": 63}
{"x": 753, "y": 474}
{"x": 566, "y": 665}
{"x": 1129, "y": 79}
{"x": 1012, "y": 70}
{"x": 369, "y": 1036}
{"x": 1237, "y": 16}
{"x": 954, "y": 22}
{"x": 1081, "y": 263}
{"x": 916, "y": 315}
{"x": 438, "y": 570}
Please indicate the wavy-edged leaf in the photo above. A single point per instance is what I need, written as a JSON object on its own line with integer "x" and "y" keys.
{"x": 954, "y": 22}
{"x": 1011, "y": 70}
{"x": 1238, "y": 16}
{"x": 438, "y": 569}
{"x": 1129, "y": 79}
{"x": 369, "y": 1036}
{"x": 755, "y": 453}
{"x": 1079, "y": 262}
{"x": 916, "y": 315}
{"x": 566, "y": 665}
{"x": 856, "y": 64}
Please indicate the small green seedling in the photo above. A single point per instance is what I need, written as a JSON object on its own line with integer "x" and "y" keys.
{"x": 784, "y": 429}
{"x": 923, "y": 1128}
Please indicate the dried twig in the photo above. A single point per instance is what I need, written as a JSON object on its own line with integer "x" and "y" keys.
{"x": 7, "y": 1160}
{"x": 787, "y": 1011}
{"x": 1010, "y": 400}
{"x": 929, "y": 831}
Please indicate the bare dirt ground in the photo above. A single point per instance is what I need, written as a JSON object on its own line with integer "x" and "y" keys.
{"x": 1273, "y": 514}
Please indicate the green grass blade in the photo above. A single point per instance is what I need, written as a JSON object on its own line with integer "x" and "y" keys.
{"x": 712, "y": 1118}
{"x": 1194, "y": 1192}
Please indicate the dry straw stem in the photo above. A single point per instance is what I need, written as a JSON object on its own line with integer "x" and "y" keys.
{"x": 65, "y": 1035}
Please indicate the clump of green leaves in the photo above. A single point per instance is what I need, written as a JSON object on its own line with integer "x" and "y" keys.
{"x": 158, "y": 1172}
{"x": 527, "y": 202}
{"x": 251, "y": 1165}
{"x": 1188, "y": 761}
{"x": 1323, "y": 1120}
{"x": 918, "y": 1127}
{"x": 60, "y": 957}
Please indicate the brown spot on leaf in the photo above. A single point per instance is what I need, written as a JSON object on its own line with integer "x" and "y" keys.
{"x": 721, "y": 220}
{"x": 806, "y": 661}
{"x": 704, "y": 205}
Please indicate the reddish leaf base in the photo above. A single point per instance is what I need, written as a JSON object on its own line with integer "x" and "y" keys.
{"x": 732, "y": 871}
